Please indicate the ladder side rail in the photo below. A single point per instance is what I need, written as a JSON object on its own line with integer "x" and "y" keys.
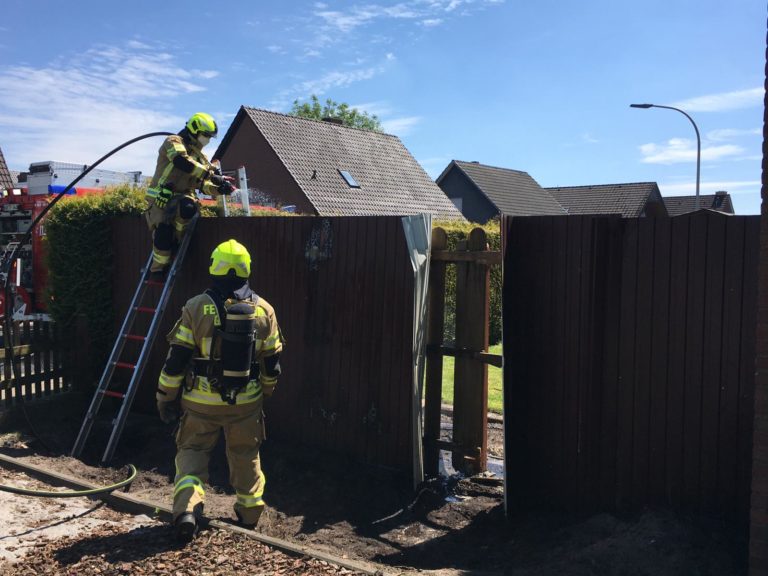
{"x": 138, "y": 372}
{"x": 109, "y": 369}
{"x": 243, "y": 184}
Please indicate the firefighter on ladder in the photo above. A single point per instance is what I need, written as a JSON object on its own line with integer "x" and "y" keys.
{"x": 224, "y": 358}
{"x": 182, "y": 167}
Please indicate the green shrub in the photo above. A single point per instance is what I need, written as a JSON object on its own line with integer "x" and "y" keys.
{"x": 457, "y": 231}
{"x": 80, "y": 264}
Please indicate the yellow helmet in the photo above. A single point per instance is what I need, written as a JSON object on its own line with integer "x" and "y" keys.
{"x": 202, "y": 123}
{"x": 230, "y": 256}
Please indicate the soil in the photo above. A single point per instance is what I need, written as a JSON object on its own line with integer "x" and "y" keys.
{"x": 450, "y": 526}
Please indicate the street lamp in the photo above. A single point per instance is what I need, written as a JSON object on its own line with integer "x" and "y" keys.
{"x": 698, "y": 142}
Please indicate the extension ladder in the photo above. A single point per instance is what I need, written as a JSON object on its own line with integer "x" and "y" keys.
{"x": 126, "y": 334}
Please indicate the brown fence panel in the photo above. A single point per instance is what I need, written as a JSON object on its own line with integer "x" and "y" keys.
{"x": 343, "y": 292}
{"x": 629, "y": 350}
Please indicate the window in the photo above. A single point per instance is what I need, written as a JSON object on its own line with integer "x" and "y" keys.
{"x": 348, "y": 179}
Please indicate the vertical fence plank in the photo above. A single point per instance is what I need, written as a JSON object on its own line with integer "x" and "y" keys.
{"x": 470, "y": 416}
{"x": 747, "y": 367}
{"x": 694, "y": 361}
{"x": 559, "y": 307}
{"x": 626, "y": 384}
{"x": 660, "y": 316}
{"x": 712, "y": 346}
{"x": 609, "y": 374}
{"x": 676, "y": 370}
{"x": 571, "y": 375}
{"x": 32, "y": 386}
{"x": 641, "y": 373}
{"x": 588, "y": 416}
{"x": 727, "y": 479}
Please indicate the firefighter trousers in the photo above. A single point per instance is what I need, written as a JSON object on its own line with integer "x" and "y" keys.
{"x": 168, "y": 225}
{"x": 196, "y": 439}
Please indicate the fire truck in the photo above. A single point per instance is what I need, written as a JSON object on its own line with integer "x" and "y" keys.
{"x": 18, "y": 209}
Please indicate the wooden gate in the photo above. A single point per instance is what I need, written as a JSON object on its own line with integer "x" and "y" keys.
{"x": 469, "y": 445}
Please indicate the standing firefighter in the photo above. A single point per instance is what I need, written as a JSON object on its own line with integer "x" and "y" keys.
{"x": 181, "y": 169}
{"x": 225, "y": 352}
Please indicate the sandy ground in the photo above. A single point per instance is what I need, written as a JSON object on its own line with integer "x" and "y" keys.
{"x": 26, "y": 521}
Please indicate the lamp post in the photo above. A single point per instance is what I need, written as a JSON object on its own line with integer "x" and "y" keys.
{"x": 698, "y": 142}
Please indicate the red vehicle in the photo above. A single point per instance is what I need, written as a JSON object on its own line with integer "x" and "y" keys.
{"x": 29, "y": 274}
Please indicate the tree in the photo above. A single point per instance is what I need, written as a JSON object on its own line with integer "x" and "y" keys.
{"x": 351, "y": 117}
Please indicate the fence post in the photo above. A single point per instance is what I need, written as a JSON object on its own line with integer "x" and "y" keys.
{"x": 434, "y": 367}
{"x": 470, "y": 404}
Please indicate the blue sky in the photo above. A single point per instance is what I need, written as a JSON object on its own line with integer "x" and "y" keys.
{"x": 542, "y": 86}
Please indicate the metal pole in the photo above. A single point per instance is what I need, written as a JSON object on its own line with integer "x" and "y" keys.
{"x": 697, "y": 204}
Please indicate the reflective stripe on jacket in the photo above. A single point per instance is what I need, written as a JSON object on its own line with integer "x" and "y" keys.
{"x": 195, "y": 330}
{"x": 167, "y": 175}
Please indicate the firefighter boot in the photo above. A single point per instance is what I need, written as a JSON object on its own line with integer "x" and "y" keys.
{"x": 252, "y": 520}
{"x": 185, "y": 527}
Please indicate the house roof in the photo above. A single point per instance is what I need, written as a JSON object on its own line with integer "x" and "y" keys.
{"x": 390, "y": 180}
{"x": 6, "y": 181}
{"x": 629, "y": 200}
{"x": 513, "y": 192}
{"x": 720, "y": 201}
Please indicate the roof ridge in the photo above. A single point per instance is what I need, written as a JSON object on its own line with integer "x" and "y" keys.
{"x": 600, "y": 185}
{"x": 472, "y": 162}
{"x": 322, "y": 122}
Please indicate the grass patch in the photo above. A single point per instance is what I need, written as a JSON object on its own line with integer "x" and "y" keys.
{"x": 495, "y": 395}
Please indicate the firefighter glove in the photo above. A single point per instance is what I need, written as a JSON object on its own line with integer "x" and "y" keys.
{"x": 162, "y": 197}
{"x": 169, "y": 411}
{"x": 226, "y": 188}
{"x": 217, "y": 179}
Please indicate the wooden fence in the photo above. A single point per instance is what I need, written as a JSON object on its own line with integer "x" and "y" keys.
{"x": 343, "y": 292}
{"x": 36, "y": 370}
{"x": 629, "y": 349}
{"x": 469, "y": 443}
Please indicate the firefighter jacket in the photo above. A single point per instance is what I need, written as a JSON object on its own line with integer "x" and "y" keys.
{"x": 195, "y": 331}
{"x": 182, "y": 167}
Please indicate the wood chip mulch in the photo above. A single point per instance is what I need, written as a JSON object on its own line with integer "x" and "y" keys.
{"x": 110, "y": 550}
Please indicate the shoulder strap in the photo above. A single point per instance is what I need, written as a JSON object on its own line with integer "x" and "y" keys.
{"x": 218, "y": 301}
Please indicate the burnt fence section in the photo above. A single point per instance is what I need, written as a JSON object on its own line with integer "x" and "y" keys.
{"x": 35, "y": 370}
{"x": 629, "y": 349}
{"x": 342, "y": 289}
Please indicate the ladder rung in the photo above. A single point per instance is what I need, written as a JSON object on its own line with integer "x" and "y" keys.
{"x": 154, "y": 283}
{"x": 125, "y": 365}
{"x": 113, "y": 394}
{"x": 145, "y": 309}
{"x": 135, "y": 337}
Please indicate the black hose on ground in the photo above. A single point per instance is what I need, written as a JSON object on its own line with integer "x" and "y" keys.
{"x": 74, "y": 493}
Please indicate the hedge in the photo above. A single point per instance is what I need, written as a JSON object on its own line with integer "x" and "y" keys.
{"x": 457, "y": 231}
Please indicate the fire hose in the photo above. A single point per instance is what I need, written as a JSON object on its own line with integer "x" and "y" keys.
{"x": 73, "y": 493}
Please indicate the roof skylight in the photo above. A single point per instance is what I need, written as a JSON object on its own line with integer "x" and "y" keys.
{"x": 349, "y": 179}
